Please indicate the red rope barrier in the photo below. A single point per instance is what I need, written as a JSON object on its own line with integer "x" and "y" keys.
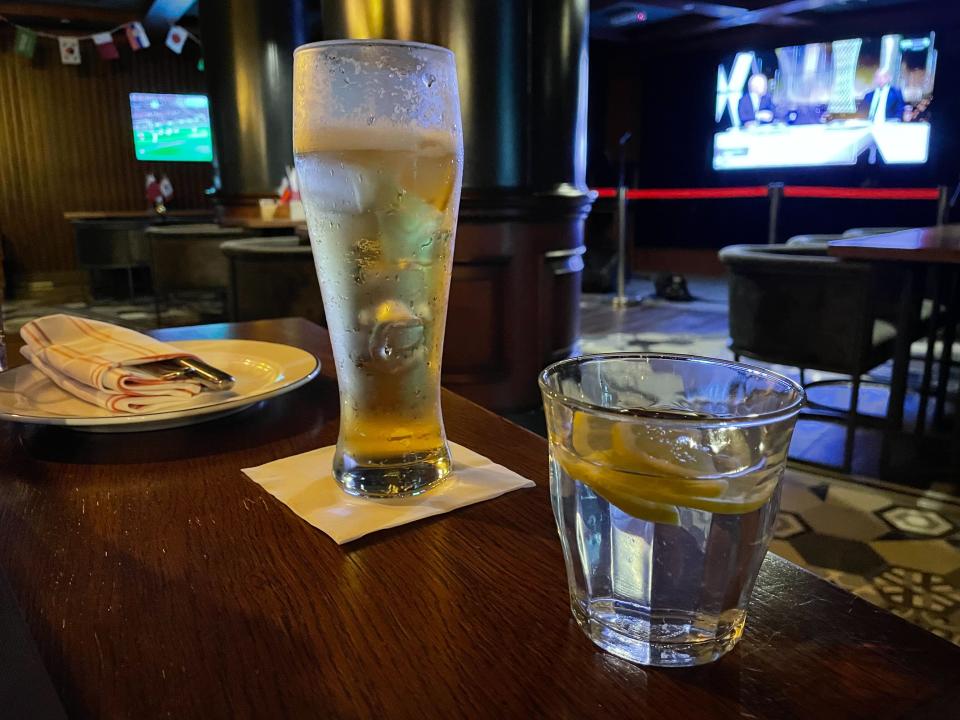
{"x": 790, "y": 191}
{"x": 688, "y": 193}
{"x": 842, "y": 193}
{"x": 698, "y": 193}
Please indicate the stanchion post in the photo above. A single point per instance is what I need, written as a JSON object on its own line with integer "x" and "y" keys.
{"x": 943, "y": 205}
{"x": 620, "y": 300}
{"x": 775, "y": 194}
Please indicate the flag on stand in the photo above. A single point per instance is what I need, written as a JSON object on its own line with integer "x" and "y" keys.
{"x": 176, "y": 37}
{"x": 166, "y": 187}
{"x": 25, "y": 42}
{"x": 137, "y": 36}
{"x": 69, "y": 50}
{"x": 152, "y": 188}
{"x": 105, "y": 46}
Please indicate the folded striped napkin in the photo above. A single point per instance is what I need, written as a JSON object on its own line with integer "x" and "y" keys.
{"x": 97, "y": 362}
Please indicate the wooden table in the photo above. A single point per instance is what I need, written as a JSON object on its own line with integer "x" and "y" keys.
{"x": 939, "y": 244}
{"x": 916, "y": 251}
{"x": 158, "y": 581}
{"x": 135, "y": 214}
{"x": 275, "y": 225}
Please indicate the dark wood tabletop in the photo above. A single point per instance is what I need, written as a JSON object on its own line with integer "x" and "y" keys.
{"x": 134, "y": 214}
{"x": 157, "y": 581}
{"x": 257, "y": 223}
{"x": 927, "y": 245}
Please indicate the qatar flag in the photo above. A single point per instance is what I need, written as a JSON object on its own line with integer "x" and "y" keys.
{"x": 176, "y": 37}
{"x": 154, "y": 192}
{"x": 105, "y": 46}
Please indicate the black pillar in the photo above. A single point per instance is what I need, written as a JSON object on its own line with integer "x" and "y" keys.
{"x": 248, "y": 48}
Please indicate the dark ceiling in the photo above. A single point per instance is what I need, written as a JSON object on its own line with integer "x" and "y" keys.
{"x": 615, "y": 20}
{"x": 93, "y": 14}
{"x": 135, "y": 5}
{"x": 626, "y": 20}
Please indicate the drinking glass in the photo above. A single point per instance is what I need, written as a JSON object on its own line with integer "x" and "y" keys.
{"x": 379, "y": 155}
{"x": 665, "y": 481}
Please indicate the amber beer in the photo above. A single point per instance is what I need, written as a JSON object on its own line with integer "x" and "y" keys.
{"x": 381, "y": 202}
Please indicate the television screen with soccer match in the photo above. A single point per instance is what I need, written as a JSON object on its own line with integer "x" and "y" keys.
{"x": 171, "y": 127}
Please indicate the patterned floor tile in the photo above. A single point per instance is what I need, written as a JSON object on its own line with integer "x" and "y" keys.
{"x": 785, "y": 550}
{"x": 787, "y": 525}
{"x": 917, "y": 521}
{"x": 796, "y": 497}
{"x": 928, "y": 556}
{"x": 849, "y": 556}
{"x": 954, "y": 579}
{"x": 859, "y": 498}
{"x": 845, "y": 522}
{"x": 947, "y": 508}
{"x": 924, "y": 598}
{"x": 907, "y": 588}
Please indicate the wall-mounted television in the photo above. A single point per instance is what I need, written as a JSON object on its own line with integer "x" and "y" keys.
{"x": 171, "y": 128}
{"x": 859, "y": 100}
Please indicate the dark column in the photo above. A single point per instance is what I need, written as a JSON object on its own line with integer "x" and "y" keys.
{"x": 248, "y": 48}
{"x": 558, "y": 94}
{"x": 522, "y": 64}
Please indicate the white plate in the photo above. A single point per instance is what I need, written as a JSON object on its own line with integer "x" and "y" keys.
{"x": 262, "y": 370}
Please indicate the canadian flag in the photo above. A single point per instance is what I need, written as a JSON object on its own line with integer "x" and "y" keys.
{"x": 69, "y": 50}
{"x": 176, "y": 37}
{"x": 137, "y": 36}
{"x": 105, "y": 46}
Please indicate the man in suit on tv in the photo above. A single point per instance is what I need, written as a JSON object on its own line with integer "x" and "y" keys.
{"x": 884, "y": 102}
{"x": 756, "y": 105}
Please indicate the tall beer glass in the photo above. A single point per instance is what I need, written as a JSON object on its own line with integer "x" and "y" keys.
{"x": 379, "y": 154}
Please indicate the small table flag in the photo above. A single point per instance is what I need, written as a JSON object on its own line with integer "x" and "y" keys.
{"x": 166, "y": 187}
{"x": 176, "y": 37}
{"x": 153, "y": 190}
{"x": 25, "y": 42}
{"x": 105, "y": 46}
{"x": 137, "y": 36}
{"x": 69, "y": 50}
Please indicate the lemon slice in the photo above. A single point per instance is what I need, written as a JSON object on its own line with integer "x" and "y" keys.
{"x": 590, "y": 434}
{"x": 594, "y": 477}
{"x": 622, "y": 463}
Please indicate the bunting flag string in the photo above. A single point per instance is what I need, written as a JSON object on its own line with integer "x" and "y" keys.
{"x": 69, "y": 50}
{"x": 25, "y": 40}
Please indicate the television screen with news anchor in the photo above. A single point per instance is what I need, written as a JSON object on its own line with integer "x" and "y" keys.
{"x": 844, "y": 102}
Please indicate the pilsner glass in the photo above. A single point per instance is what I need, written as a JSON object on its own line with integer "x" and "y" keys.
{"x": 379, "y": 155}
{"x": 665, "y": 478}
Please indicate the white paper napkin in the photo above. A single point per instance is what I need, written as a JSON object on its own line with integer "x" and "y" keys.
{"x": 305, "y": 484}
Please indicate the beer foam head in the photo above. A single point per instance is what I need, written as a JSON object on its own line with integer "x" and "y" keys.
{"x": 370, "y": 95}
{"x": 326, "y": 138}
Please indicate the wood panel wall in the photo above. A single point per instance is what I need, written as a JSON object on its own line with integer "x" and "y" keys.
{"x": 66, "y": 144}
